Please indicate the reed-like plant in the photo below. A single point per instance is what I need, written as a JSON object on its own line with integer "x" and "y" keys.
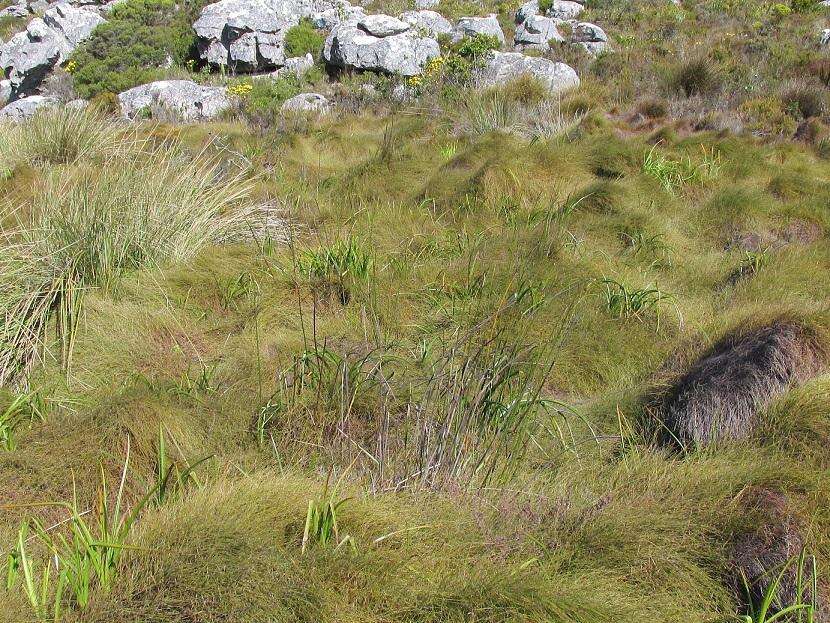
{"x": 84, "y": 550}
{"x": 321, "y": 523}
{"x": 772, "y": 606}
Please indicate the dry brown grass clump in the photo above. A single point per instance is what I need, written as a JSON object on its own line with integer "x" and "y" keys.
{"x": 719, "y": 397}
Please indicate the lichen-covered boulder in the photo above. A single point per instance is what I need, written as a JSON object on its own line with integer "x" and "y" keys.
{"x": 30, "y": 55}
{"x": 363, "y": 44}
{"x": 307, "y": 102}
{"x": 248, "y": 35}
{"x": 428, "y": 22}
{"x": 472, "y": 26}
{"x": 590, "y": 38}
{"x": 536, "y": 31}
{"x": 182, "y": 100}
{"x": 587, "y": 32}
{"x": 560, "y": 9}
{"x": 504, "y": 67}
{"x": 23, "y": 109}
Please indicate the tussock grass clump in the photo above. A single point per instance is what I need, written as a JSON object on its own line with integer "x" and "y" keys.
{"x": 772, "y": 571}
{"x": 719, "y": 397}
{"x": 91, "y": 226}
{"x": 60, "y": 135}
{"x": 696, "y": 76}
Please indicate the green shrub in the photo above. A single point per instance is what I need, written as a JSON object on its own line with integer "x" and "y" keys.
{"x": 545, "y": 6}
{"x": 803, "y": 6}
{"x": 263, "y": 101}
{"x": 465, "y": 55}
{"x": 302, "y": 39}
{"x": 780, "y": 10}
{"x": 139, "y": 37}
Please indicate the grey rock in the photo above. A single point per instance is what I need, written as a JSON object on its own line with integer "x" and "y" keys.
{"x": 184, "y": 100}
{"x": 5, "y": 91}
{"x": 382, "y": 25}
{"x": 526, "y": 10}
{"x": 536, "y": 31}
{"x": 825, "y": 36}
{"x": 28, "y": 56}
{"x": 565, "y": 9}
{"x": 341, "y": 11}
{"x": 560, "y": 9}
{"x": 405, "y": 53}
{"x": 74, "y": 24}
{"x": 241, "y": 34}
{"x": 20, "y": 9}
{"x": 307, "y": 102}
{"x": 428, "y": 22}
{"x": 248, "y": 35}
{"x": 422, "y": 5}
{"x": 503, "y": 67}
{"x": 401, "y": 94}
{"x": 23, "y": 109}
{"x": 472, "y": 26}
{"x": 298, "y": 65}
{"x": 594, "y": 48}
{"x": 586, "y": 31}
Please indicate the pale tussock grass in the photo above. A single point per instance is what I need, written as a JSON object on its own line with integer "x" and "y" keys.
{"x": 92, "y": 224}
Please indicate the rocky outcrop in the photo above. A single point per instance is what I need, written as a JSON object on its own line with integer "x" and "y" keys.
{"x": 428, "y": 22}
{"x": 472, "y": 26}
{"x": 504, "y": 67}
{"x": 340, "y": 11}
{"x": 181, "y": 100}
{"x": 591, "y": 38}
{"x": 248, "y": 35}
{"x": 307, "y": 102}
{"x": 537, "y": 31}
{"x": 379, "y": 43}
{"x": 29, "y": 56}
{"x": 560, "y": 9}
{"x": 23, "y": 109}
{"x": 534, "y": 30}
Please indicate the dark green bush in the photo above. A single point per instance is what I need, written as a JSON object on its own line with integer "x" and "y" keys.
{"x": 803, "y": 6}
{"x": 302, "y": 39}
{"x": 140, "y": 36}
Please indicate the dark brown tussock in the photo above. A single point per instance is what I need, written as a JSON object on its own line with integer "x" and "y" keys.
{"x": 761, "y": 553}
{"x": 719, "y": 397}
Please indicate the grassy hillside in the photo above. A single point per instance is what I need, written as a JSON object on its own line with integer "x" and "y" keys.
{"x": 428, "y": 362}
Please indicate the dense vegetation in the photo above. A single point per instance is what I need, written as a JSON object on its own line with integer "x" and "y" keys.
{"x": 140, "y": 38}
{"x": 489, "y": 356}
